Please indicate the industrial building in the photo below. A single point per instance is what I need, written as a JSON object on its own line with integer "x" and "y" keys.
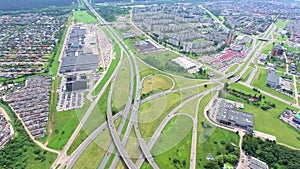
{"x": 74, "y": 58}
{"x": 229, "y": 116}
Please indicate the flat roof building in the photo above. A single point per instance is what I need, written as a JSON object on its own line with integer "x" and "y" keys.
{"x": 75, "y": 59}
{"x": 232, "y": 117}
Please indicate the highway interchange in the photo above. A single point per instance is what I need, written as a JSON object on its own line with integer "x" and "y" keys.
{"x": 131, "y": 110}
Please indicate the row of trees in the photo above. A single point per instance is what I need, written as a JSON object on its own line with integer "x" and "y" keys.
{"x": 276, "y": 156}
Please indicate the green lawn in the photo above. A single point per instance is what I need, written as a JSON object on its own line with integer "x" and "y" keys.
{"x": 122, "y": 85}
{"x": 268, "y": 121}
{"x": 267, "y": 49}
{"x": 94, "y": 153}
{"x": 132, "y": 146}
{"x": 152, "y": 113}
{"x": 281, "y": 24}
{"x": 159, "y": 60}
{"x": 156, "y": 83}
{"x": 64, "y": 124}
{"x": 247, "y": 74}
{"x": 259, "y": 81}
{"x": 232, "y": 68}
{"x": 173, "y": 150}
{"x": 85, "y": 17}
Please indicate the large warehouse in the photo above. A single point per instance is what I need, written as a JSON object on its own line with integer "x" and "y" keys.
{"x": 74, "y": 58}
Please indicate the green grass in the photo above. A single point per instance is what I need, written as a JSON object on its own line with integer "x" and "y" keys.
{"x": 122, "y": 85}
{"x": 84, "y": 17}
{"x": 132, "y": 146}
{"x": 95, "y": 119}
{"x": 156, "y": 83}
{"x": 110, "y": 70}
{"x": 249, "y": 44}
{"x": 152, "y": 113}
{"x": 267, "y": 49}
{"x": 95, "y": 152}
{"x": 171, "y": 146}
{"x": 281, "y": 24}
{"x": 64, "y": 124}
{"x": 268, "y": 121}
{"x": 232, "y": 68}
{"x": 259, "y": 81}
{"x": 53, "y": 102}
{"x": 247, "y": 74}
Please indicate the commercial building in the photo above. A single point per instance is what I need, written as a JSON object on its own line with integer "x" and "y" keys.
{"x": 229, "y": 116}
{"x": 188, "y": 65}
{"x": 273, "y": 79}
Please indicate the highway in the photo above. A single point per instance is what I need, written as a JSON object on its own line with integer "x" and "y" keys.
{"x": 135, "y": 106}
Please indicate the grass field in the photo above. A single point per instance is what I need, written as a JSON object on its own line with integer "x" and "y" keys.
{"x": 93, "y": 155}
{"x": 189, "y": 108}
{"x": 267, "y": 49}
{"x": 171, "y": 147}
{"x": 268, "y": 121}
{"x": 247, "y": 74}
{"x": 281, "y": 24}
{"x": 95, "y": 119}
{"x": 156, "y": 83}
{"x": 122, "y": 85}
{"x": 64, "y": 125}
{"x": 152, "y": 113}
{"x": 84, "y": 17}
{"x": 259, "y": 81}
{"x": 132, "y": 146}
{"x": 232, "y": 68}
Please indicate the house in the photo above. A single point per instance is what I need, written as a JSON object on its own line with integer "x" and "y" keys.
{"x": 273, "y": 79}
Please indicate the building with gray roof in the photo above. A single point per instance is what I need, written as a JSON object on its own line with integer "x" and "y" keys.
{"x": 232, "y": 117}
{"x": 75, "y": 59}
{"x": 273, "y": 79}
{"x": 257, "y": 164}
